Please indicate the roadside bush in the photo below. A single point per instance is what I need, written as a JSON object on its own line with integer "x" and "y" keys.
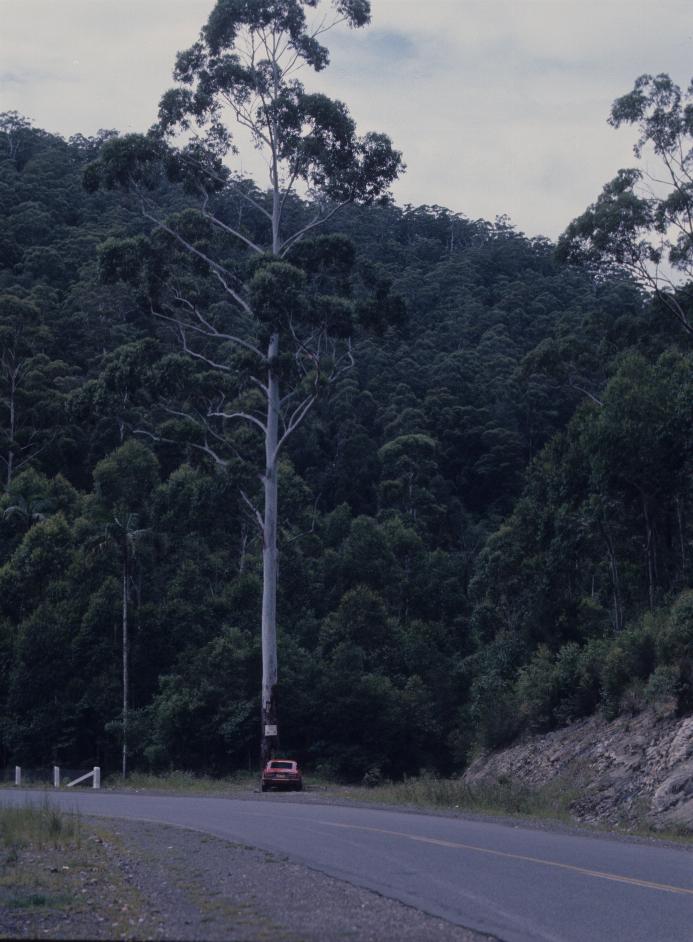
{"x": 674, "y": 640}
{"x": 537, "y": 691}
{"x": 663, "y": 686}
{"x": 574, "y": 699}
{"x": 373, "y": 777}
{"x": 629, "y": 658}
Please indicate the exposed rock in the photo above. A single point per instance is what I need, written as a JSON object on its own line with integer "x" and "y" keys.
{"x": 619, "y": 772}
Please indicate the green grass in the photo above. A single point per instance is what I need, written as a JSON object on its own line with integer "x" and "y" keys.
{"x": 184, "y": 782}
{"x": 38, "y": 900}
{"x": 503, "y": 797}
{"x": 37, "y": 826}
{"x": 506, "y": 798}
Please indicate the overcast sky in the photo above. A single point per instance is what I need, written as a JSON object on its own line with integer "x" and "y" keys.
{"x": 499, "y": 106}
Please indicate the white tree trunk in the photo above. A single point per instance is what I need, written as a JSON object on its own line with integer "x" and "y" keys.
{"x": 270, "y": 561}
{"x": 125, "y": 663}
{"x": 13, "y": 422}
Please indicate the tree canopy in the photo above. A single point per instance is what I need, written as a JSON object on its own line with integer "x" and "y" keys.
{"x": 487, "y": 526}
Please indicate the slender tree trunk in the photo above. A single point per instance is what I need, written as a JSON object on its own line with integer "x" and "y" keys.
{"x": 649, "y": 552}
{"x": 244, "y": 546}
{"x": 13, "y": 421}
{"x": 125, "y": 662}
{"x": 615, "y": 579}
{"x": 269, "y": 738}
{"x": 682, "y": 541}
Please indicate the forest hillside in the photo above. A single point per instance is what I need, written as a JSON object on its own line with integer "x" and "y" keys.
{"x": 486, "y": 523}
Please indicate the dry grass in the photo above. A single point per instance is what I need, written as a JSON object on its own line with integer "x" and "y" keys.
{"x": 37, "y": 826}
{"x": 183, "y": 782}
{"x": 503, "y": 797}
{"x": 60, "y": 878}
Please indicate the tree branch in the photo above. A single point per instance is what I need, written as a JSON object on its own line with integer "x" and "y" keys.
{"x": 172, "y": 441}
{"x": 318, "y": 221}
{"x": 239, "y": 415}
{"x": 255, "y": 512}
{"x": 208, "y": 330}
{"x": 298, "y": 415}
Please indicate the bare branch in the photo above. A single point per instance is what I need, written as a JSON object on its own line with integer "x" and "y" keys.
{"x": 208, "y": 330}
{"x": 263, "y": 387}
{"x": 214, "y": 266}
{"x": 199, "y": 356}
{"x": 239, "y": 415}
{"x": 586, "y": 392}
{"x": 298, "y": 536}
{"x": 231, "y": 231}
{"x": 234, "y": 294}
{"x": 298, "y": 415}
{"x": 255, "y": 512}
{"x": 172, "y": 441}
{"x": 318, "y": 221}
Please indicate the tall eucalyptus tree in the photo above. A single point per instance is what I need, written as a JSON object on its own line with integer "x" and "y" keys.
{"x": 282, "y": 315}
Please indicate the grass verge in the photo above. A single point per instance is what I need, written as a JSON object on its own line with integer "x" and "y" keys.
{"x": 508, "y": 798}
{"x": 59, "y": 878}
{"x": 503, "y": 797}
{"x": 183, "y": 782}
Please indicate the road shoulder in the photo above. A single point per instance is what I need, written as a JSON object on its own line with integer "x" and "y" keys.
{"x": 152, "y": 881}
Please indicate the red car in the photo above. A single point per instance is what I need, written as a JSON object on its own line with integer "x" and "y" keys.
{"x": 282, "y": 773}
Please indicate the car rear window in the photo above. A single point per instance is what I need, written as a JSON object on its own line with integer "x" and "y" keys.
{"x": 281, "y": 765}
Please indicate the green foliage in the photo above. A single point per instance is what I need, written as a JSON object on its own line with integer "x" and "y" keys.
{"x": 633, "y": 225}
{"x": 127, "y": 478}
{"x": 487, "y": 524}
{"x": 275, "y": 292}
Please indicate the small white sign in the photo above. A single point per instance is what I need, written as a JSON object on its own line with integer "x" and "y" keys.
{"x": 270, "y": 730}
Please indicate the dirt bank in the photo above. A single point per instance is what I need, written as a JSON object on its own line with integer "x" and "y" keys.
{"x": 632, "y": 769}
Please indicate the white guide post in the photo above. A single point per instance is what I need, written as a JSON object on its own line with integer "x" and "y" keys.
{"x": 56, "y": 776}
{"x": 17, "y": 775}
{"x": 95, "y": 775}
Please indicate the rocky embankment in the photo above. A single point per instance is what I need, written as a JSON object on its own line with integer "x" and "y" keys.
{"x": 633, "y": 769}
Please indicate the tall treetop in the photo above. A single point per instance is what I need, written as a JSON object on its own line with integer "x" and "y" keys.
{"x": 229, "y": 17}
{"x": 244, "y": 67}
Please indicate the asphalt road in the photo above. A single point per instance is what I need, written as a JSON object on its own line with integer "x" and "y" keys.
{"x": 513, "y": 882}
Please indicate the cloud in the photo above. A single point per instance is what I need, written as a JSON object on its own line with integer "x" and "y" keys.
{"x": 499, "y": 106}
{"x": 12, "y": 78}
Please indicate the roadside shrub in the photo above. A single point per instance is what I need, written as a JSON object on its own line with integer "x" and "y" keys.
{"x": 494, "y": 711}
{"x": 537, "y": 691}
{"x": 674, "y": 641}
{"x": 633, "y": 700}
{"x": 629, "y": 658}
{"x": 373, "y": 777}
{"x": 663, "y": 686}
{"x": 589, "y": 671}
{"x": 574, "y": 700}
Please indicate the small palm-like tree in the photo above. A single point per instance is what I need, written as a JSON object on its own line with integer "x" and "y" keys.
{"x": 123, "y": 534}
{"x": 28, "y": 509}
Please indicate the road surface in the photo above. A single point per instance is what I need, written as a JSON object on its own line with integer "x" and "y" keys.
{"x": 513, "y": 882}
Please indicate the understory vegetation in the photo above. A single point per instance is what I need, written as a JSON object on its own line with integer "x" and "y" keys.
{"x": 486, "y": 524}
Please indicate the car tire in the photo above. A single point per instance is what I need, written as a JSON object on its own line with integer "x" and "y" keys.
{"x": 264, "y": 787}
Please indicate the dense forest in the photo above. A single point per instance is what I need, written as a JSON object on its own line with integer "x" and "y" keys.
{"x": 486, "y": 521}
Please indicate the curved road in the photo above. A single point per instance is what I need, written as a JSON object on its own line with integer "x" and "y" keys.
{"x": 512, "y": 882}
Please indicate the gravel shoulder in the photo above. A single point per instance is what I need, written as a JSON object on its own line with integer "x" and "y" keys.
{"x": 141, "y": 881}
